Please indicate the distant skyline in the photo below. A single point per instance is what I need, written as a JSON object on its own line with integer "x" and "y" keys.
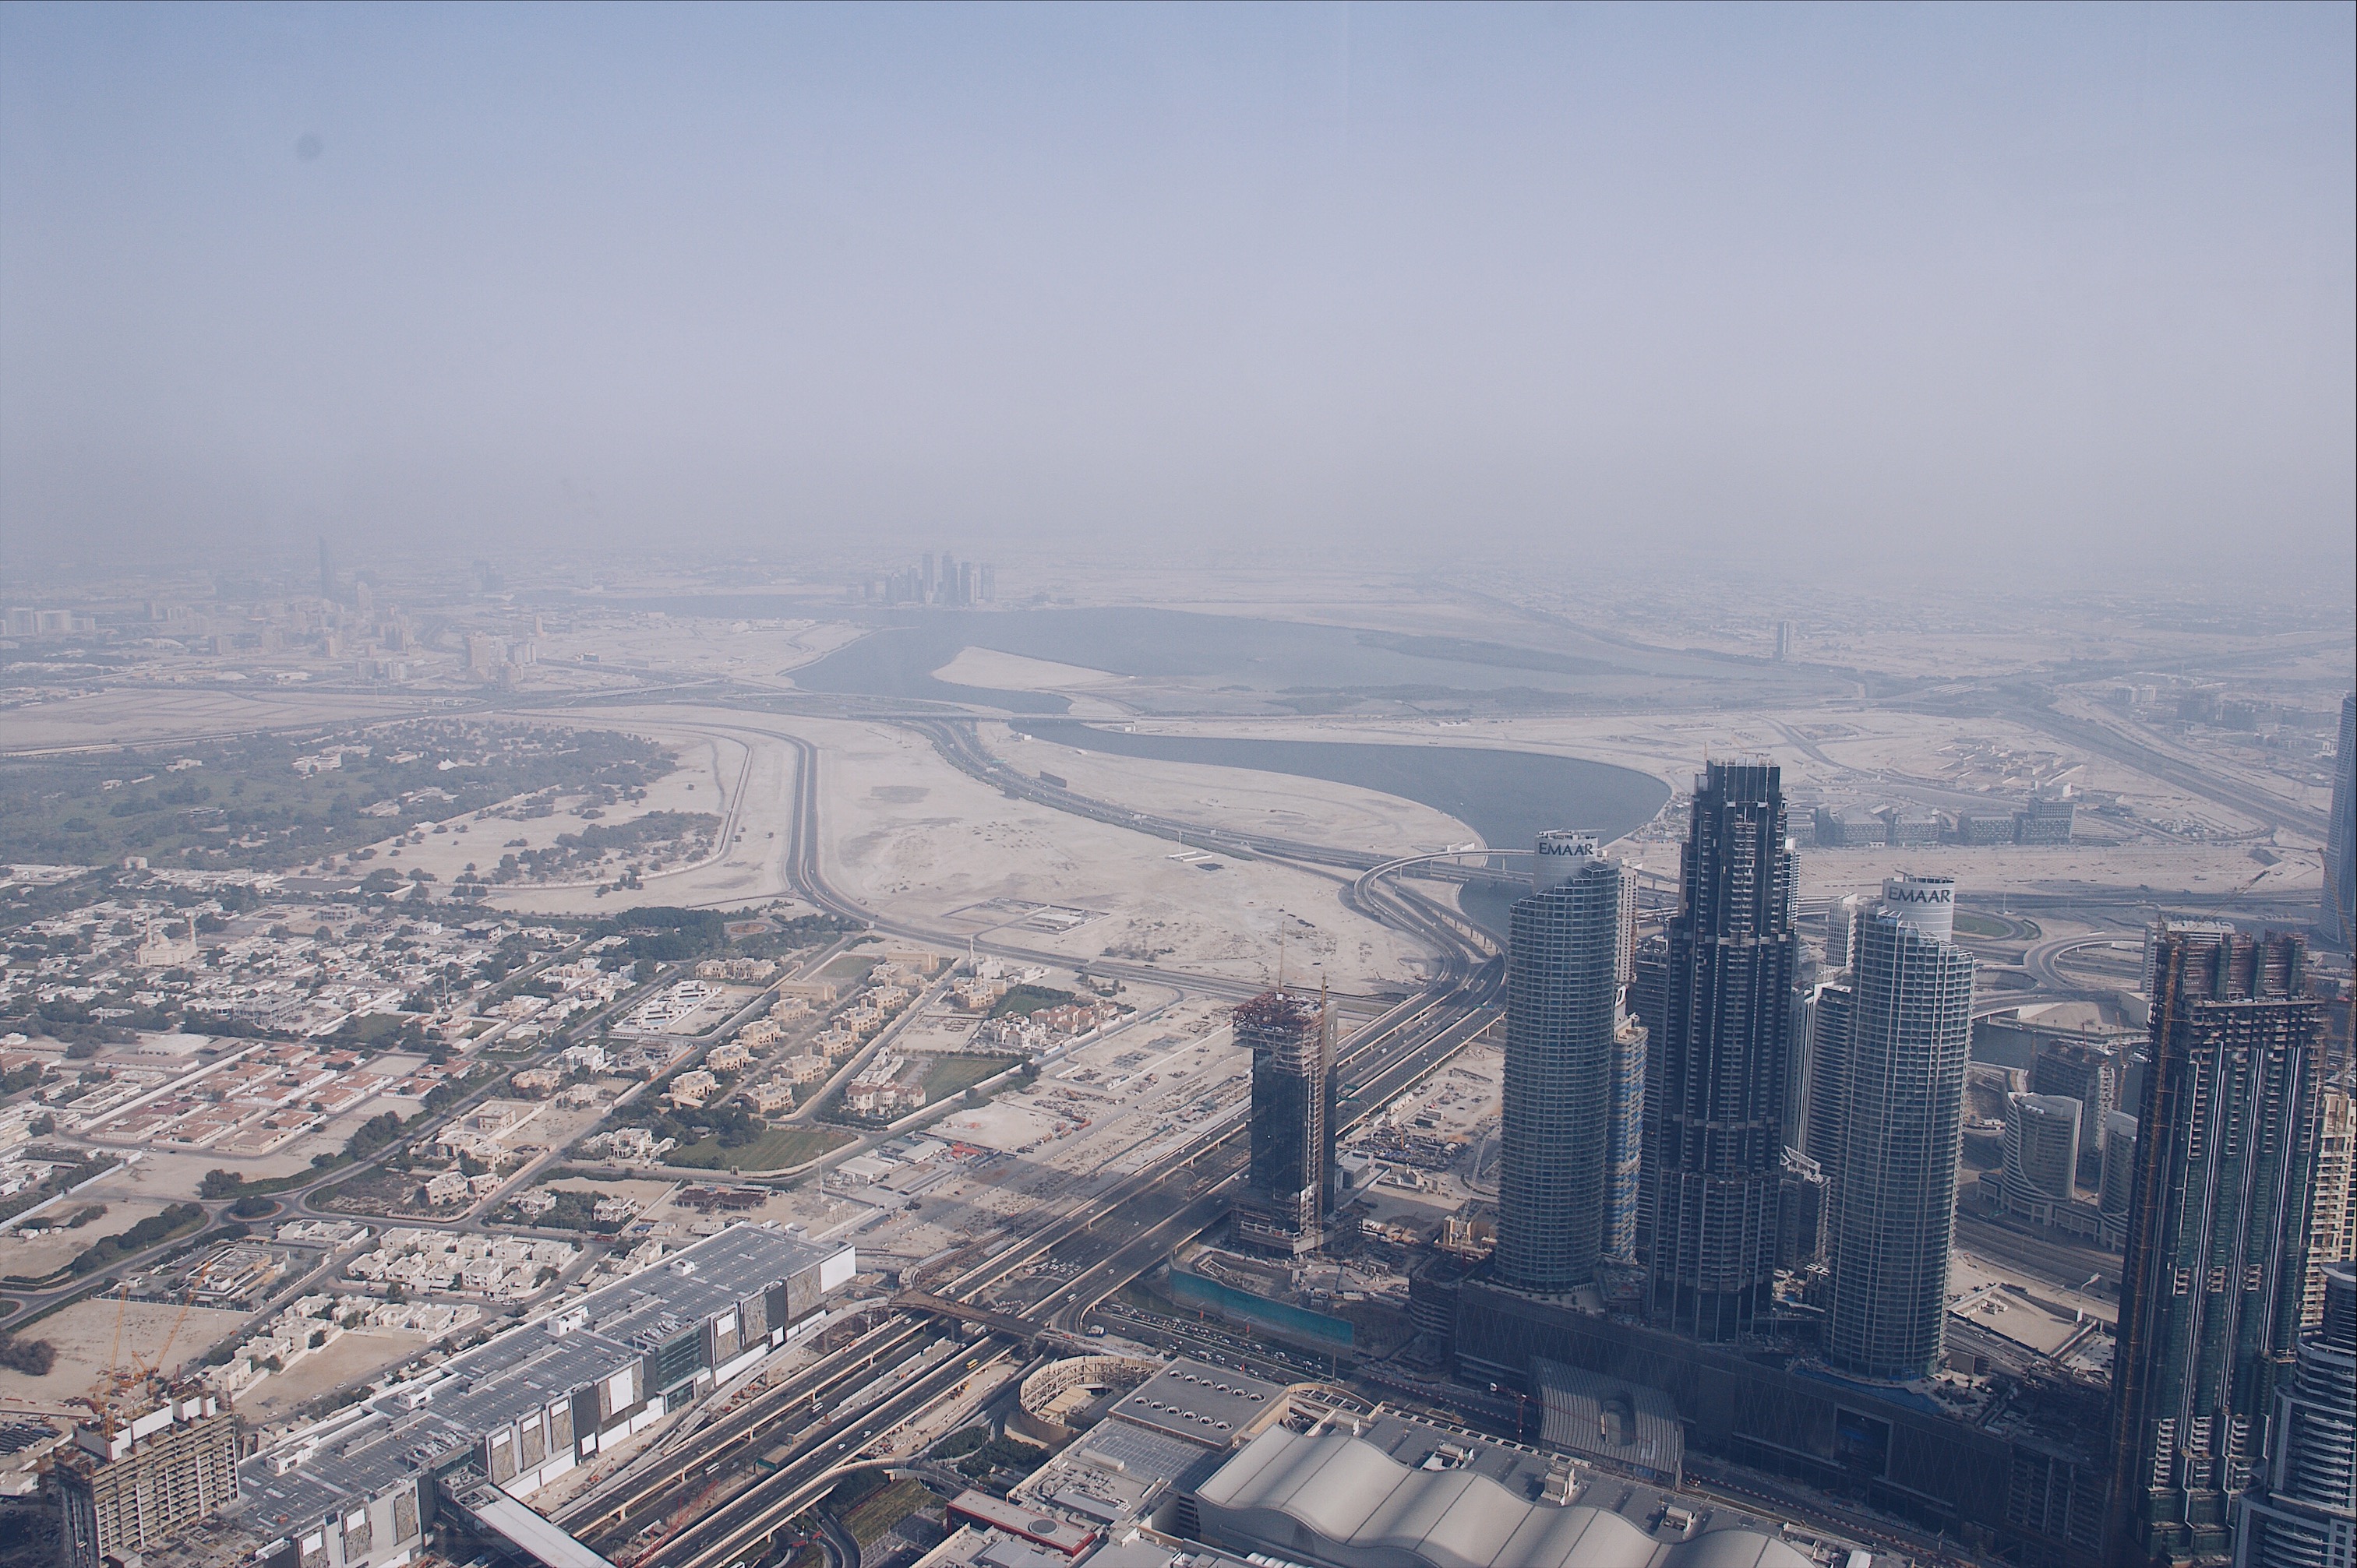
{"x": 1861, "y": 286}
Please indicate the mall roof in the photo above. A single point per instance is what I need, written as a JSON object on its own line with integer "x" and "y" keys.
{"x": 1341, "y": 1499}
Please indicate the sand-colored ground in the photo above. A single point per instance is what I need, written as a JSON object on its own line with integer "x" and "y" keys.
{"x": 909, "y": 835}
{"x": 1315, "y": 809}
{"x": 1865, "y": 755}
{"x": 1001, "y": 1124}
{"x": 131, "y": 715}
{"x": 1012, "y": 672}
{"x": 33, "y": 1257}
{"x": 84, "y": 1336}
{"x": 2222, "y": 869}
{"x": 158, "y": 1177}
{"x": 355, "y": 1357}
{"x": 930, "y": 842}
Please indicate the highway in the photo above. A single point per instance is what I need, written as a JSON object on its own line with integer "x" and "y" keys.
{"x": 716, "y": 1496}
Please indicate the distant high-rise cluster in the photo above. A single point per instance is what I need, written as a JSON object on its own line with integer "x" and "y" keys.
{"x": 1781, "y": 1193}
{"x": 941, "y": 580}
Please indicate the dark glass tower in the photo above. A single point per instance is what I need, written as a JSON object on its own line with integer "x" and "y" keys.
{"x": 1716, "y": 1074}
{"x": 2217, "y": 1237}
{"x": 1290, "y": 1185}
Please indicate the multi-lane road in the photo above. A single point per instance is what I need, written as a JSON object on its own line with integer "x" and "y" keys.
{"x": 725, "y": 1492}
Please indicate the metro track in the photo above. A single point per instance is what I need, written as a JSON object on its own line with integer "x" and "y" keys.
{"x": 1110, "y": 1236}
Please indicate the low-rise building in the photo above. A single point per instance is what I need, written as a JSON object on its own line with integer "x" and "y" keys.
{"x": 529, "y": 1406}
{"x": 769, "y": 1096}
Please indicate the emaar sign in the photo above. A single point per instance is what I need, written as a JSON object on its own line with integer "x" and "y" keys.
{"x": 1928, "y": 903}
{"x": 1560, "y": 852}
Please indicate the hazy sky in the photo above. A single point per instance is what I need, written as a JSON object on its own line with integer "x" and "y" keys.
{"x": 1864, "y": 284}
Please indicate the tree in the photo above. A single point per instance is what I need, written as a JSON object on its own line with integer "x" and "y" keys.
{"x": 34, "y": 1358}
{"x": 219, "y": 1184}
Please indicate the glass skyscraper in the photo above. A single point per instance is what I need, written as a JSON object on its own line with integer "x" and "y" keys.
{"x": 1894, "y": 1189}
{"x": 1566, "y": 1035}
{"x": 2217, "y": 1235}
{"x": 2304, "y": 1515}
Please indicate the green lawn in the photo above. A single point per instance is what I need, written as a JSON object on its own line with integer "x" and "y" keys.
{"x": 1027, "y": 999}
{"x": 949, "y": 1074}
{"x": 774, "y": 1150}
{"x": 872, "y": 1519}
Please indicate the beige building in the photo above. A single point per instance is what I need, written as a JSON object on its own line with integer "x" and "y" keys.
{"x": 127, "y": 1490}
{"x": 692, "y": 1088}
{"x": 2332, "y": 1213}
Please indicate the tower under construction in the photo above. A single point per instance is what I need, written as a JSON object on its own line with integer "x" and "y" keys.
{"x": 130, "y": 1486}
{"x": 1290, "y": 1189}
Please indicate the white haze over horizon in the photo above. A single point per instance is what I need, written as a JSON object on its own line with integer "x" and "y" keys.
{"x": 1873, "y": 289}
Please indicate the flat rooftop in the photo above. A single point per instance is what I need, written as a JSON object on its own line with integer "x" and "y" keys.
{"x": 1198, "y": 1403}
{"x": 354, "y": 1456}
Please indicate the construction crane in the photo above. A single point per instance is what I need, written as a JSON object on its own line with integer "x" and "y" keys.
{"x": 116, "y": 1379}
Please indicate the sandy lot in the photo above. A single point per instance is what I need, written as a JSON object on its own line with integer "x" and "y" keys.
{"x": 927, "y": 843}
{"x": 1001, "y": 1124}
{"x": 1311, "y": 809}
{"x": 359, "y": 1354}
{"x": 134, "y": 715}
{"x": 34, "y": 1256}
{"x": 84, "y": 1337}
{"x": 1012, "y": 672}
{"x": 907, "y": 834}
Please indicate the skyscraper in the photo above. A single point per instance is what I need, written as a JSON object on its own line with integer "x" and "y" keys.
{"x": 2119, "y": 1176}
{"x": 2340, "y": 834}
{"x": 1289, "y": 1188}
{"x": 2332, "y": 1204}
{"x": 2217, "y": 1237}
{"x": 1565, "y": 1026}
{"x": 1827, "y": 1070}
{"x": 2304, "y": 1512}
{"x": 2087, "y": 1072}
{"x": 1624, "y": 1139}
{"x": 2041, "y": 1150}
{"x": 1894, "y": 1189}
{"x": 1714, "y": 1079}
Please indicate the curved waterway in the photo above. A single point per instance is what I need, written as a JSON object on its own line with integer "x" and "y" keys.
{"x": 1507, "y": 797}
